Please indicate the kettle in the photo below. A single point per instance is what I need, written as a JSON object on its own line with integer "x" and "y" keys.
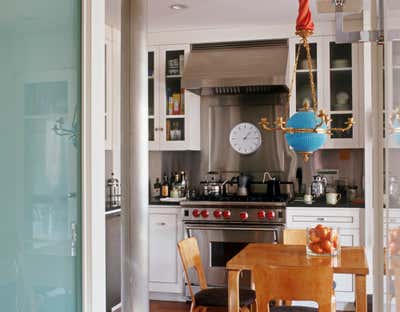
{"x": 318, "y": 187}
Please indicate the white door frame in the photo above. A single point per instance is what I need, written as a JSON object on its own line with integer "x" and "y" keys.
{"x": 93, "y": 157}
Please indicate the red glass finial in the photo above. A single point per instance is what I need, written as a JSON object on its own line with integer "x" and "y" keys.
{"x": 304, "y": 22}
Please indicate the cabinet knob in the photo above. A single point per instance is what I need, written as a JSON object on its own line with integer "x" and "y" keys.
{"x": 321, "y": 219}
{"x": 162, "y": 223}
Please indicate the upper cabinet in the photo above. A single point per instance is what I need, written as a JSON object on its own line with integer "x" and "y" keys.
{"x": 335, "y": 69}
{"x": 174, "y": 113}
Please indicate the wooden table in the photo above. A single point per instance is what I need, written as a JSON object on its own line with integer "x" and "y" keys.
{"x": 352, "y": 260}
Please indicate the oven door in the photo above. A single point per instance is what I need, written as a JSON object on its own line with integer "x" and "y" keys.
{"x": 219, "y": 243}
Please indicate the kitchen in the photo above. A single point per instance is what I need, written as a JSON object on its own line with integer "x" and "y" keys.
{"x": 192, "y": 138}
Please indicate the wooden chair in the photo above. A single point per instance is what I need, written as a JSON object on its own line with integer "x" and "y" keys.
{"x": 294, "y": 283}
{"x": 294, "y": 237}
{"x": 207, "y": 298}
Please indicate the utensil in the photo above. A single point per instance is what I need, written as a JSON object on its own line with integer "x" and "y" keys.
{"x": 318, "y": 187}
{"x": 299, "y": 177}
{"x": 243, "y": 181}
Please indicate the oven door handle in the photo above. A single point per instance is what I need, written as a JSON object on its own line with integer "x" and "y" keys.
{"x": 274, "y": 230}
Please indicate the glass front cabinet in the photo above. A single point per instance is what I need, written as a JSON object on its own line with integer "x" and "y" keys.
{"x": 174, "y": 113}
{"x": 335, "y": 69}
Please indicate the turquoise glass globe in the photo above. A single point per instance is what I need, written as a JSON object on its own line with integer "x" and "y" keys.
{"x": 305, "y": 142}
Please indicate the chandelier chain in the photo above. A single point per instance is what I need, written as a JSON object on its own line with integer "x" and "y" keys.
{"x": 311, "y": 74}
{"x": 296, "y": 62}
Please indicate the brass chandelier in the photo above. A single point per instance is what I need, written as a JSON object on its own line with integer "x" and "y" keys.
{"x": 308, "y": 129}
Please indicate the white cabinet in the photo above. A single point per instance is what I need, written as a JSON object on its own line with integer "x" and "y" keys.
{"x": 336, "y": 75}
{"x": 174, "y": 113}
{"x": 348, "y": 220}
{"x": 165, "y": 232}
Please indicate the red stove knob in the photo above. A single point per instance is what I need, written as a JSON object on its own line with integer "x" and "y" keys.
{"x": 217, "y": 213}
{"x": 226, "y": 214}
{"x": 204, "y": 213}
{"x": 244, "y": 215}
{"x": 261, "y": 214}
{"x": 196, "y": 213}
{"x": 270, "y": 215}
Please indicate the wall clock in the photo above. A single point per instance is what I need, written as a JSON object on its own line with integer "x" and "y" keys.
{"x": 245, "y": 138}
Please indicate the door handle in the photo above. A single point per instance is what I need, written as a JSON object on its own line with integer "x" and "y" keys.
{"x": 74, "y": 238}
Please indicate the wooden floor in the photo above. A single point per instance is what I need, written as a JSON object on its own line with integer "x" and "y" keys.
{"x": 166, "y": 306}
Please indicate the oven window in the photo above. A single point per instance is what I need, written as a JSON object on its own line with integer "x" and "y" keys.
{"x": 222, "y": 252}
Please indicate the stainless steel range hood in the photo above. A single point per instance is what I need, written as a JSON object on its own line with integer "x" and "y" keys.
{"x": 236, "y": 68}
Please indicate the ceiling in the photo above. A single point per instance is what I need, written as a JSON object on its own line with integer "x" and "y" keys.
{"x": 208, "y": 14}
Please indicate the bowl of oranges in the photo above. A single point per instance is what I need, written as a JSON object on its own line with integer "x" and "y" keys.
{"x": 322, "y": 241}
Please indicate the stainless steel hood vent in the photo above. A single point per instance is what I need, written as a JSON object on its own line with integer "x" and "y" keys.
{"x": 255, "y": 67}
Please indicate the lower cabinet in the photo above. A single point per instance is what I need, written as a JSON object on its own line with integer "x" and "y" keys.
{"x": 348, "y": 221}
{"x": 165, "y": 268}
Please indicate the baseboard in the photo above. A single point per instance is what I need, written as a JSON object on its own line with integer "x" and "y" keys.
{"x": 167, "y": 297}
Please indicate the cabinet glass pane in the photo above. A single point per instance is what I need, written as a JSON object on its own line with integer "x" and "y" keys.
{"x": 340, "y": 55}
{"x": 40, "y": 118}
{"x": 175, "y": 129}
{"x": 338, "y": 121}
{"x": 151, "y": 129}
{"x": 174, "y": 63}
{"x": 151, "y": 64}
{"x": 341, "y": 90}
{"x": 303, "y": 65}
{"x": 151, "y": 97}
{"x": 303, "y": 90}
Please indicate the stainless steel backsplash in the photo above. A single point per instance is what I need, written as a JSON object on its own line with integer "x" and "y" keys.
{"x": 218, "y": 115}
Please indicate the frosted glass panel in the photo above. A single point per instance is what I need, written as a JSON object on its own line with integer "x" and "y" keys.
{"x": 40, "y": 252}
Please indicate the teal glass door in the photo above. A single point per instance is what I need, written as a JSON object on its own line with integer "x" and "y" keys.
{"x": 40, "y": 158}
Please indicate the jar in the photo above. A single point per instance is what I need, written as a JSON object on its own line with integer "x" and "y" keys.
{"x": 322, "y": 241}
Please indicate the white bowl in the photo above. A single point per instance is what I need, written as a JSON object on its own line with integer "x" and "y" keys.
{"x": 340, "y": 63}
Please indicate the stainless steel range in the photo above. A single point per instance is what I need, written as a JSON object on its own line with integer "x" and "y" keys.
{"x": 224, "y": 226}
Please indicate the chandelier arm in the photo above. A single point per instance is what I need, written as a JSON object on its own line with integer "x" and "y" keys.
{"x": 348, "y": 125}
{"x": 311, "y": 74}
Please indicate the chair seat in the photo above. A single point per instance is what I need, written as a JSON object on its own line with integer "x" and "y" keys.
{"x": 293, "y": 309}
{"x": 218, "y": 297}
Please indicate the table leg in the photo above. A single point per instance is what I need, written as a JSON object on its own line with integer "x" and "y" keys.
{"x": 233, "y": 291}
{"x": 361, "y": 293}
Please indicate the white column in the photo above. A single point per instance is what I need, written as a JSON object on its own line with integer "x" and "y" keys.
{"x": 135, "y": 233}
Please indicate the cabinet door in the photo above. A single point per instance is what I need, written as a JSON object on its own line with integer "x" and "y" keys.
{"x": 341, "y": 99}
{"x": 153, "y": 97}
{"x": 163, "y": 252}
{"x": 301, "y": 91}
{"x": 173, "y": 113}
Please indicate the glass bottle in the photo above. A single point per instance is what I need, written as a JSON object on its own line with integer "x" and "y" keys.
{"x": 165, "y": 187}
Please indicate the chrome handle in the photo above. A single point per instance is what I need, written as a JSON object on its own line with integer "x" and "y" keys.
{"x": 74, "y": 238}
{"x": 231, "y": 228}
{"x": 321, "y": 219}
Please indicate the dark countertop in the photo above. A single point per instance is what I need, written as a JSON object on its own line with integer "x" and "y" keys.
{"x": 295, "y": 203}
{"x": 162, "y": 203}
{"x": 318, "y": 204}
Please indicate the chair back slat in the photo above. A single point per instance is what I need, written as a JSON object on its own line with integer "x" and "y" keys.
{"x": 312, "y": 283}
{"x": 190, "y": 256}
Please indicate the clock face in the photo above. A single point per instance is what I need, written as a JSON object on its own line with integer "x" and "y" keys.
{"x": 245, "y": 138}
